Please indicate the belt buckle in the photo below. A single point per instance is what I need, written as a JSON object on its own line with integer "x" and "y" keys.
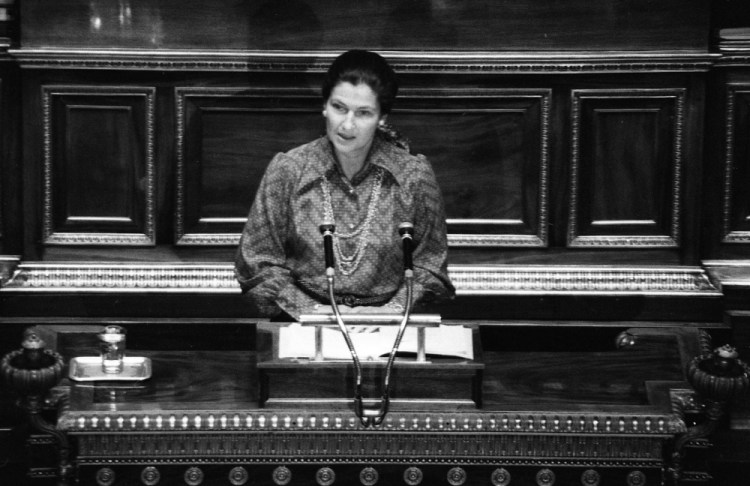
{"x": 349, "y": 300}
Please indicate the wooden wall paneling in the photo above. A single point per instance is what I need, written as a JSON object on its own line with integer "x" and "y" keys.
{"x": 5, "y": 170}
{"x": 99, "y": 165}
{"x": 225, "y": 139}
{"x": 325, "y": 25}
{"x": 490, "y": 152}
{"x": 489, "y": 149}
{"x": 626, "y": 173}
{"x": 10, "y": 175}
{"x": 735, "y": 203}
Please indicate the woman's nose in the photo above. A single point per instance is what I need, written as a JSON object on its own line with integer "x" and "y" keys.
{"x": 348, "y": 122}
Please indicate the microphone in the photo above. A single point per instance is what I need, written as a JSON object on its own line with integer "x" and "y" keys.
{"x": 327, "y": 228}
{"x": 406, "y": 230}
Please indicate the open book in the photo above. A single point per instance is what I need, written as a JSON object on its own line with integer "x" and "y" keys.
{"x": 373, "y": 341}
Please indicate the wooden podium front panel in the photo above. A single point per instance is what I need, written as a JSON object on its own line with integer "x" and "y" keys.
{"x": 439, "y": 383}
{"x": 197, "y": 416}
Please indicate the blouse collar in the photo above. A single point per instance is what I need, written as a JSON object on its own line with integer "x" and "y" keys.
{"x": 382, "y": 154}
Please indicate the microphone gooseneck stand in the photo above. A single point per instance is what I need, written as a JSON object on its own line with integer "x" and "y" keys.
{"x": 377, "y": 416}
{"x": 370, "y": 416}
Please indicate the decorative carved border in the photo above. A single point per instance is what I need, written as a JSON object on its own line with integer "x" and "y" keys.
{"x": 468, "y": 279}
{"x": 113, "y": 277}
{"x": 258, "y": 437}
{"x": 456, "y": 240}
{"x": 458, "y": 423}
{"x": 70, "y": 238}
{"x": 478, "y": 280}
{"x": 734, "y": 91}
{"x": 181, "y": 94}
{"x": 632, "y": 241}
{"x": 510, "y": 240}
{"x": 347, "y": 448}
{"x": 402, "y": 61}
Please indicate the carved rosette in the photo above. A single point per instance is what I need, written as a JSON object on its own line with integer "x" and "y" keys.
{"x": 282, "y": 475}
{"x": 456, "y": 476}
{"x": 413, "y": 476}
{"x": 545, "y": 477}
{"x": 368, "y": 476}
{"x": 325, "y": 476}
{"x": 500, "y": 477}
{"x": 238, "y": 476}
{"x": 193, "y": 476}
{"x": 636, "y": 478}
{"x": 590, "y": 477}
{"x": 105, "y": 477}
{"x": 150, "y": 476}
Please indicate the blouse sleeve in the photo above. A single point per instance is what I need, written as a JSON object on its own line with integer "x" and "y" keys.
{"x": 430, "y": 257}
{"x": 260, "y": 262}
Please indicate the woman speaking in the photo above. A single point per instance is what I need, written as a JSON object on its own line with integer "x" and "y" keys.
{"x": 361, "y": 178}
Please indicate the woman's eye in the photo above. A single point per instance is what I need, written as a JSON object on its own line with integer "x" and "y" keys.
{"x": 364, "y": 113}
{"x": 339, "y": 107}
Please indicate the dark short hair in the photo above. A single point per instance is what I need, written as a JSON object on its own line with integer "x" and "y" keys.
{"x": 359, "y": 66}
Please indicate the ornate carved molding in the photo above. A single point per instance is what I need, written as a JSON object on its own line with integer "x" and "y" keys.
{"x": 182, "y": 98}
{"x": 205, "y": 278}
{"x": 51, "y": 237}
{"x": 521, "y": 422}
{"x": 730, "y": 234}
{"x": 540, "y": 239}
{"x": 536, "y": 100}
{"x": 671, "y": 240}
{"x": 468, "y": 279}
{"x": 477, "y": 280}
{"x": 520, "y": 438}
{"x": 402, "y": 61}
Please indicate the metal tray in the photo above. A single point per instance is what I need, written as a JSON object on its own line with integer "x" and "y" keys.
{"x": 89, "y": 368}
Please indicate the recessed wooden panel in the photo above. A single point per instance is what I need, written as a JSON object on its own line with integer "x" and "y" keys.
{"x": 626, "y": 168}
{"x": 226, "y": 138}
{"x": 489, "y": 150}
{"x": 99, "y": 165}
{"x": 736, "y": 196}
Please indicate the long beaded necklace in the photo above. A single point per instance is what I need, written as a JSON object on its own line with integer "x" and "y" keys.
{"x": 347, "y": 264}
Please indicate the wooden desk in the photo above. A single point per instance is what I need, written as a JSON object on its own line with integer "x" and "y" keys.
{"x": 599, "y": 416}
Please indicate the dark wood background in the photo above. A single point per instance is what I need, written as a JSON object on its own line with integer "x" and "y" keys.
{"x": 568, "y": 133}
{"x": 593, "y": 154}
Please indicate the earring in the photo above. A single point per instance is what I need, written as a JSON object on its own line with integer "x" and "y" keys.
{"x": 325, "y": 113}
{"x": 381, "y": 122}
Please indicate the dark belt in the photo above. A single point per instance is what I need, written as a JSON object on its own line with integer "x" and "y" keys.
{"x": 344, "y": 299}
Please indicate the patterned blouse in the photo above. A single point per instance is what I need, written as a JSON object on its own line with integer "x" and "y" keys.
{"x": 280, "y": 262}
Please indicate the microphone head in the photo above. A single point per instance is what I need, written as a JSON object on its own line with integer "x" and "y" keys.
{"x": 327, "y": 226}
{"x": 406, "y": 228}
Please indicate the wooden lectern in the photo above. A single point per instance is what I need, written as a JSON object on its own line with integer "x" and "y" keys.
{"x": 307, "y": 364}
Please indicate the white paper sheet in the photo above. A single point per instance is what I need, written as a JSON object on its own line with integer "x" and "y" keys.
{"x": 371, "y": 342}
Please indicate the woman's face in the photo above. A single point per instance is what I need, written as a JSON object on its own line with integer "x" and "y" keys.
{"x": 352, "y": 114}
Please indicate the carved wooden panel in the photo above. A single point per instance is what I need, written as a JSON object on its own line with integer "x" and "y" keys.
{"x": 490, "y": 152}
{"x": 225, "y": 139}
{"x": 2, "y": 183}
{"x": 736, "y": 197}
{"x": 99, "y": 181}
{"x": 626, "y": 168}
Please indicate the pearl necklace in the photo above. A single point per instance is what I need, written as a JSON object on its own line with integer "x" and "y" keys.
{"x": 347, "y": 264}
